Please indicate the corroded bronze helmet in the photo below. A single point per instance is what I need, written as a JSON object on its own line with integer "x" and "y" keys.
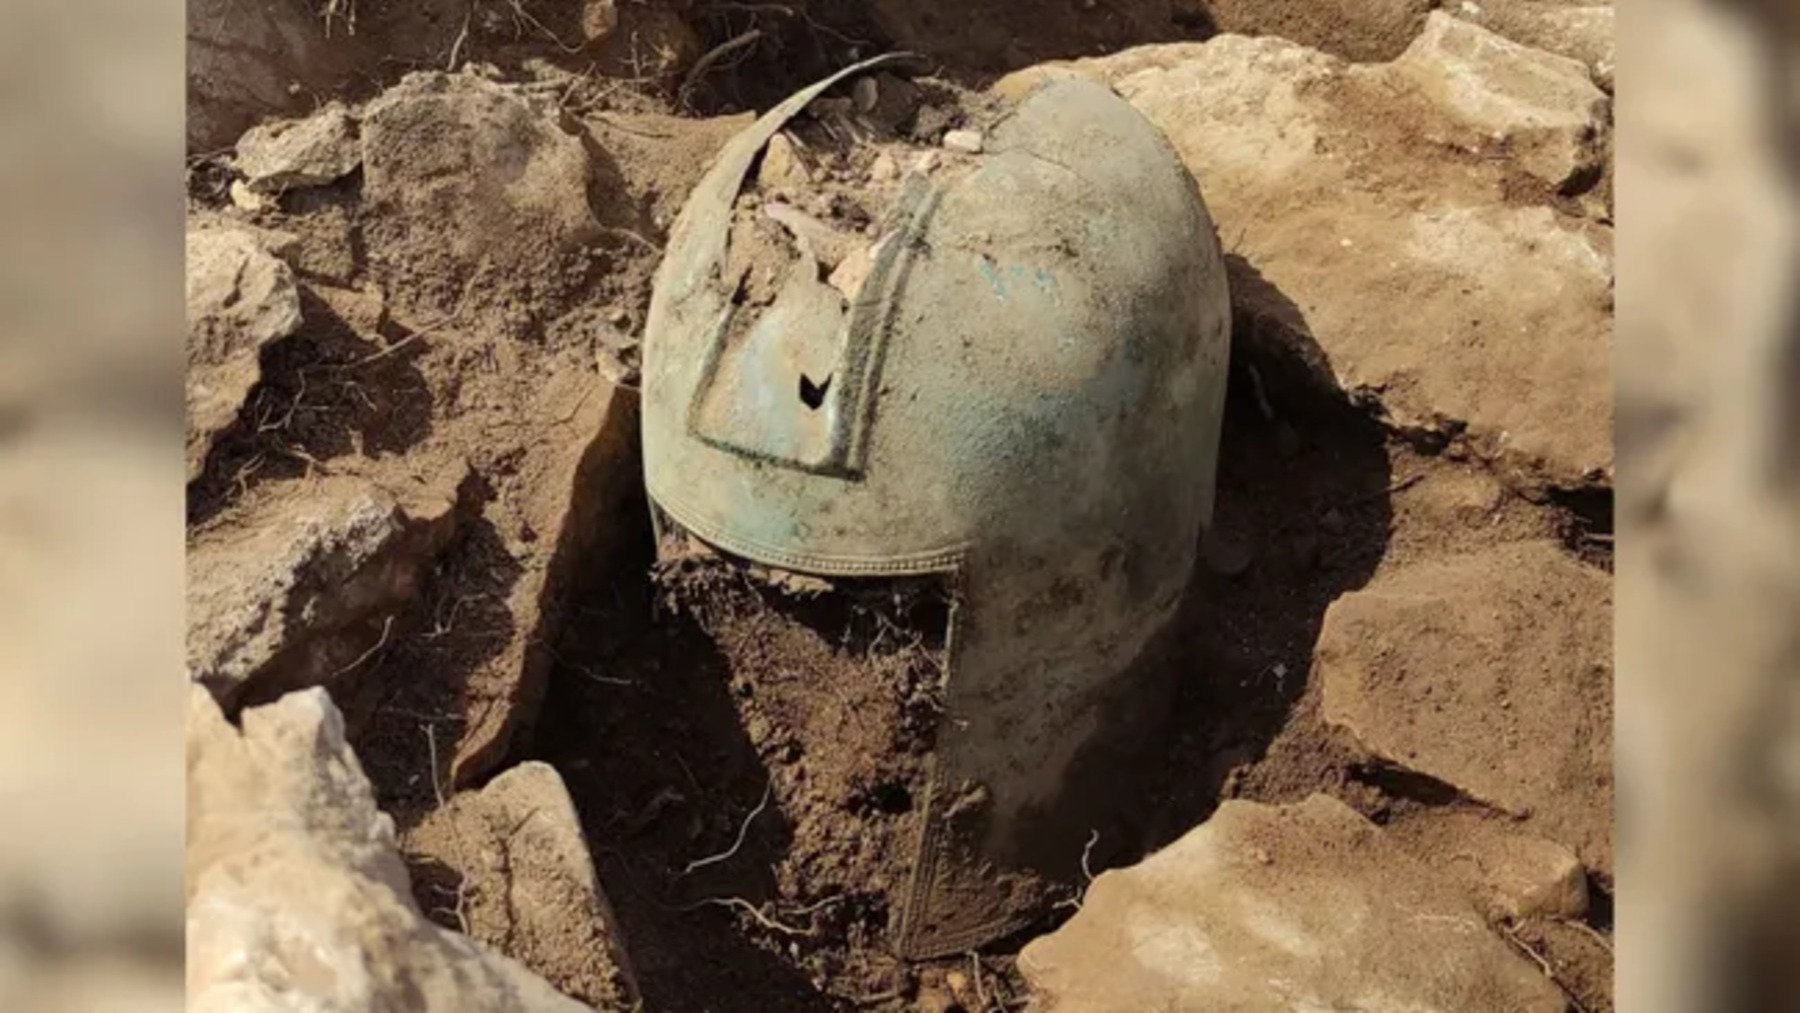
{"x": 1024, "y": 396}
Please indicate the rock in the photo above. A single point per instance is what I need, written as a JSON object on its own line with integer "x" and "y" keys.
{"x": 249, "y": 61}
{"x": 1580, "y": 31}
{"x": 483, "y": 207}
{"x": 893, "y": 101}
{"x": 246, "y": 199}
{"x": 306, "y": 580}
{"x": 1339, "y": 200}
{"x": 618, "y": 355}
{"x": 884, "y": 169}
{"x": 865, "y": 92}
{"x": 660, "y": 158}
{"x": 527, "y": 881}
{"x": 1510, "y": 874}
{"x": 599, "y": 19}
{"x": 467, "y": 187}
{"x": 574, "y": 483}
{"x": 1362, "y": 30}
{"x": 288, "y": 154}
{"x": 853, "y": 270}
{"x": 1305, "y": 906}
{"x": 818, "y": 240}
{"x": 965, "y": 141}
{"x": 1545, "y": 107}
{"x": 239, "y": 299}
{"x": 296, "y": 896}
{"x": 782, "y": 165}
{"x": 329, "y": 247}
{"x": 1491, "y": 672}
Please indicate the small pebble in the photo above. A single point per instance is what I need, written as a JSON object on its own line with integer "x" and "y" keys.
{"x": 966, "y": 141}
{"x": 865, "y": 93}
{"x": 248, "y": 199}
{"x": 884, "y": 169}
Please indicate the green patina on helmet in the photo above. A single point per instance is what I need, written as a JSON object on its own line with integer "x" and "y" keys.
{"x": 1024, "y": 395}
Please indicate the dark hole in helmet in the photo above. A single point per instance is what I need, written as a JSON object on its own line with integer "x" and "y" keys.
{"x": 813, "y": 394}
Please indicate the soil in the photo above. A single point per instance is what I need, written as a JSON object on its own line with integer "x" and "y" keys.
{"x": 745, "y": 750}
{"x": 760, "y": 751}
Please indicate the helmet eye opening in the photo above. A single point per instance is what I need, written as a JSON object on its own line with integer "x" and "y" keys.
{"x": 812, "y": 395}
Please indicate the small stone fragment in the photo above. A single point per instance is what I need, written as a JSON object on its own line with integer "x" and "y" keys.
{"x": 884, "y": 169}
{"x": 966, "y": 141}
{"x": 288, "y": 154}
{"x": 240, "y": 298}
{"x": 1510, "y": 873}
{"x": 540, "y": 900}
{"x": 618, "y": 356}
{"x": 599, "y": 19}
{"x": 1580, "y": 31}
{"x": 854, "y": 270}
{"x": 246, "y": 199}
{"x": 896, "y": 99}
{"x": 815, "y": 238}
{"x": 783, "y": 167}
{"x": 1545, "y": 106}
{"x": 865, "y": 93}
{"x": 1491, "y": 672}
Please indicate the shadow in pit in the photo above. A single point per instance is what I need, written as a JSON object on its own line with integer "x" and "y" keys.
{"x": 327, "y": 392}
{"x": 972, "y": 42}
{"x": 411, "y": 708}
{"x": 1303, "y": 513}
{"x": 639, "y": 721}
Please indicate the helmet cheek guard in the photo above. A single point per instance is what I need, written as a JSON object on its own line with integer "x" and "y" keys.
{"x": 1024, "y": 395}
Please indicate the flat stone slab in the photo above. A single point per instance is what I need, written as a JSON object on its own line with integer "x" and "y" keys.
{"x": 1491, "y": 672}
{"x": 1386, "y": 226}
{"x": 1297, "y": 907}
{"x": 308, "y": 579}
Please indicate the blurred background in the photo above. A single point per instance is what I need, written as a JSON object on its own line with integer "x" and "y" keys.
{"x": 92, "y": 692}
{"x": 1708, "y": 374}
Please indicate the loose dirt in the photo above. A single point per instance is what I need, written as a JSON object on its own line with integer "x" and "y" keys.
{"x": 760, "y": 750}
